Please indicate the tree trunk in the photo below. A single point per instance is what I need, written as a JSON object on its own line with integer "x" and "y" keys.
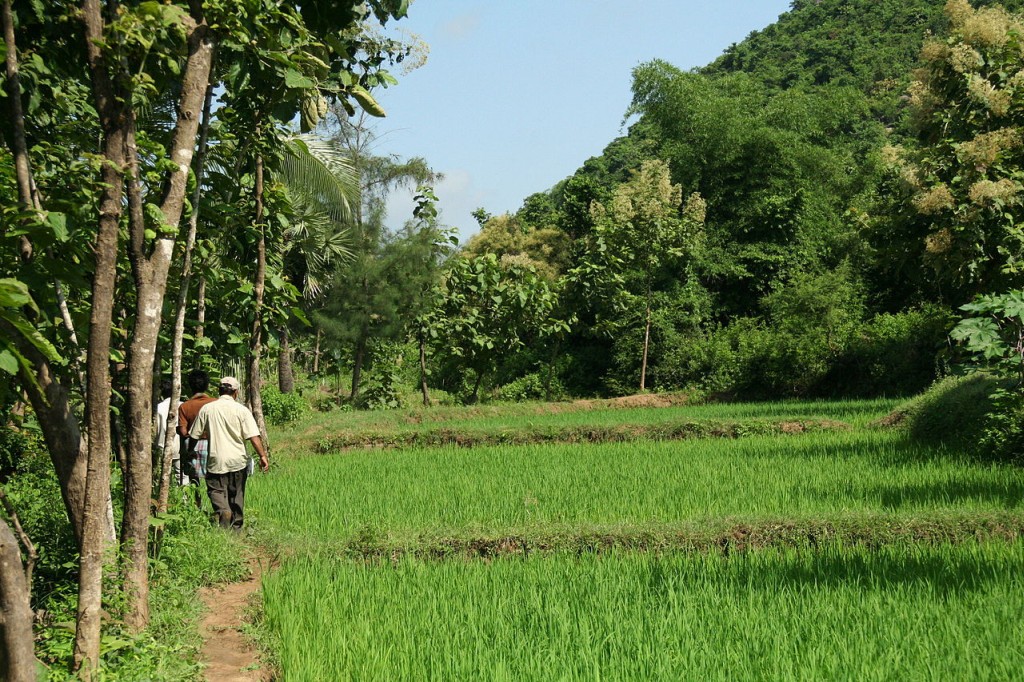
{"x": 17, "y": 655}
{"x": 64, "y": 441}
{"x": 201, "y": 308}
{"x": 285, "y": 373}
{"x": 93, "y": 551}
{"x": 150, "y": 276}
{"x": 423, "y": 371}
{"x": 475, "y": 398}
{"x": 177, "y": 343}
{"x": 647, "y": 343}
{"x": 69, "y": 324}
{"x": 256, "y": 338}
{"x": 316, "y": 352}
{"x": 357, "y": 364}
{"x": 551, "y": 368}
{"x": 23, "y": 172}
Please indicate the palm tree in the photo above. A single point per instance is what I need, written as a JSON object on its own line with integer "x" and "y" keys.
{"x": 322, "y": 187}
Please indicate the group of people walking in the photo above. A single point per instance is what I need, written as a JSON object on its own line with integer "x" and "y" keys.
{"x": 211, "y": 444}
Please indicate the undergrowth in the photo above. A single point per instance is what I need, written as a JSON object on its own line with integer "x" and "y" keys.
{"x": 193, "y": 555}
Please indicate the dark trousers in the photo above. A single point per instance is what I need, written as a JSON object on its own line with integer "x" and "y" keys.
{"x": 227, "y": 495}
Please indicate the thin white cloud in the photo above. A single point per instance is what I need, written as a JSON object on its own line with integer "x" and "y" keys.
{"x": 460, "y": 27}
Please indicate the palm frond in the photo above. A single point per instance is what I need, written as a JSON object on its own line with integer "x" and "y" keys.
{"x": 321, "y": 172}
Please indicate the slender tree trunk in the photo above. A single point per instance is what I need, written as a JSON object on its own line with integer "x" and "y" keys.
{"x": 93, "y": 551}
{"x": 285, "y": 373}
{"x": 64, "y": 441}
{"x": 255, "y": 399}
{"x": 551, "y": 368}
{"x": 357, "y": 363}
{"x": 23, "y": 171}
{"x": 475, "y": 398}
{"x": 150, "y": 274}
{"x": 647, "y": 343}
{"x": 17, "y": 655}
{"x": 316, "y": 352}
{"x": 138, "y": 472}
{"x": 177, "y": 343}
{"x": 423, "y": 371}
{"x": 69, "y": 324}
{"x": 201, "y": 308}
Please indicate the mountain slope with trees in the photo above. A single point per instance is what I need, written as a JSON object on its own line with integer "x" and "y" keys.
{"x": 782, "y": 137}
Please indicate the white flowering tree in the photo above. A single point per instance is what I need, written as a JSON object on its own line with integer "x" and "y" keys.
{"x": 961, "y": 188}
{"x": 643, "y": 228}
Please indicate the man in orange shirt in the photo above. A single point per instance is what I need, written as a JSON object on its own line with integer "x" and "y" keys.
{"x": 193, "y": 453}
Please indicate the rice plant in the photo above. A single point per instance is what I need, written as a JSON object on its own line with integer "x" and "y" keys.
{"x": 565, "y": 416}
{"x": 907, "y": 613}
{"x": 405, "y": 495}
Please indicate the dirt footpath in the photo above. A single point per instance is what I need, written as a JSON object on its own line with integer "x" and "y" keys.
{"x": 226, "y": 653}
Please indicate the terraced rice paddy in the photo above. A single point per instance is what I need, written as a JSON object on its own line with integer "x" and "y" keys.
{"x": 912, "y": 613}
{"x": 536, "y": 421}
{"x": 825, "y": 555}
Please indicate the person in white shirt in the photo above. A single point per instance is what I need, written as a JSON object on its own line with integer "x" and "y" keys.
{"x": 162, "y": 410}
{"x": 227, "y": 425}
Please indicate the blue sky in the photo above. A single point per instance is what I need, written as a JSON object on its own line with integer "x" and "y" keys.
{"x": 517, "y": 94}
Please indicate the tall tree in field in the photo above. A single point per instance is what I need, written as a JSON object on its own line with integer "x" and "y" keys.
{"x": 364, "y": 298}
{"x": 487, "y": 311}
{"x": 322, "y": 188}
{"x": 644, "y": 228}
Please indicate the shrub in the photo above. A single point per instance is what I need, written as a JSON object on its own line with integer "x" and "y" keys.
{"x": 894, "y": 354}
{"x": 382, "y": 388}
{"x": 706, "y": 361}
{"x": 531, "y": 387}
{"x": 955, "y": 412}
{"x": 1003, "y": 435}
{"x": 282, "y": 408}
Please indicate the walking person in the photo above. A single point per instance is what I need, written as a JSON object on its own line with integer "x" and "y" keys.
{"x": 190, "y": 466}
{"x": 163, "y": 409}
{"x": 228, "y": 424}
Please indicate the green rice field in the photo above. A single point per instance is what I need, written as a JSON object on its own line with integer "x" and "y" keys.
{"x": 898, "y": 613}
{"x": 315, "y": 430}
{"x": 850, "y": 554}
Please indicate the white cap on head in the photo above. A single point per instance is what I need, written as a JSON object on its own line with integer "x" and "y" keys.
{"x": 229, "y": 382}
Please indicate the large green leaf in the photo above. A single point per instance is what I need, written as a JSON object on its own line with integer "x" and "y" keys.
{"x": 295, "y": 80}
{"x": 8, "y": 362}
{"x": 33, "y": 336}
{"x": 14, "y": 294}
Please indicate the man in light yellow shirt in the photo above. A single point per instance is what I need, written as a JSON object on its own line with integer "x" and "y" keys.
{"x": 227, "y": 425}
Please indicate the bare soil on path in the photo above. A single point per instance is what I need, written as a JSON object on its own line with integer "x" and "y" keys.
{"x": 227, "y": 654}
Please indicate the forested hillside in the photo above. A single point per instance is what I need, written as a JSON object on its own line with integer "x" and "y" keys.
{"x": 807, "y": 277}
